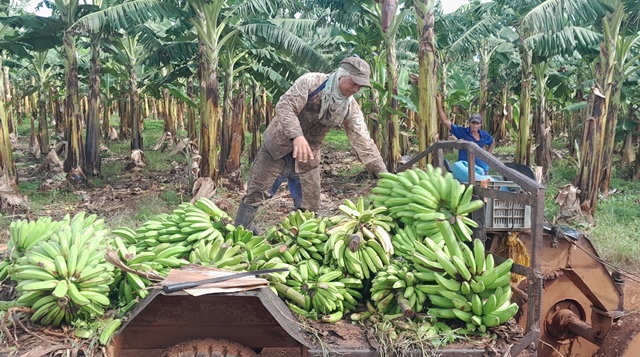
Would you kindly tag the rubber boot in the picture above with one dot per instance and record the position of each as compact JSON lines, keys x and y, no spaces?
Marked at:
{"x":246,"y":213}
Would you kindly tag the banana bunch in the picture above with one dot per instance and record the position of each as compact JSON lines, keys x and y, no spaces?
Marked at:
{"x":303,"y":234}
{"x":187,"y":224}
{"x":5,"y":267}
{"x":356,"y":255}
{"x":316,"y":291}
{"x":26,"y":234}
{"x":394,"y":290}
{"x":254,"y":246}
{"x":65,"y":276}
{"x":273,"y":263}
{"x":362,"y":217}
{"x":418,"y":198}
{"x":210,"y":208}
{"x":23,"y":235}
{"x":468,"y":286}
{"x":359,"y":241}
{"x":407,"y":243}
{"x":129,"y":287}
{"x":220,"y":254}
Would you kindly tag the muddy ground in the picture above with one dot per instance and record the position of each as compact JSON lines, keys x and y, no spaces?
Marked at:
{"x":122,"y":196}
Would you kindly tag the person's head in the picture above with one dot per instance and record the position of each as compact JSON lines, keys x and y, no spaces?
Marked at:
{"x":475,"y":122}
{"x":359,"y":72}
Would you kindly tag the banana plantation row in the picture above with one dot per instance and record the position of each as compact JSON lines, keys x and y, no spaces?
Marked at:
{"x":535,"y":70}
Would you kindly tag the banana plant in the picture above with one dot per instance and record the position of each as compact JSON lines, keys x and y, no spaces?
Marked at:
{"x":612,"y":65}
{"x":546,"y":28}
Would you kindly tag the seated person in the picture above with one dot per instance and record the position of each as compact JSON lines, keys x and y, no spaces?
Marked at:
{"x":471,"y":133}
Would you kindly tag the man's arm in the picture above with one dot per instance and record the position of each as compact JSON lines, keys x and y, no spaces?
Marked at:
{"x":441,"y":114}
{"x":287,"y":109}
{"x":490,"y":149}
{"x":358,"y":135}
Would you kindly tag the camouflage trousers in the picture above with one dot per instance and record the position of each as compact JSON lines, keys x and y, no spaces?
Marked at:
{"x":267,"y":174}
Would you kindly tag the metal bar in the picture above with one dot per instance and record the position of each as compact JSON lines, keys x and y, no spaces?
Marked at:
{"x":534,"y":312}
{"x":527,"y":200}
{"x":171,"y":288}
{"x":527,"y":340}
{"x":516,"y":268}
{"x":465,"y":352}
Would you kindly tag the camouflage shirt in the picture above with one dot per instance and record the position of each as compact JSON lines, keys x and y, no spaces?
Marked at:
{"x":295,"y":115}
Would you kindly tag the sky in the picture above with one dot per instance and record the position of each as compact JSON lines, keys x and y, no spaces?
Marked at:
{"x":447,"y":5}
{"x":31,"y":7}
{"x":451,"y":5}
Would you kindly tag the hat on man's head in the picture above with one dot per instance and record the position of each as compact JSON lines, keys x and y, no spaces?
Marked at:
{"x":475,"y":118}
{"x":358,"y":69}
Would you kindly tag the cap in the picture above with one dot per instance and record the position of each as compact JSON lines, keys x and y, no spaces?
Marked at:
{"x":358,"y":69}
{"x":475,"y":118}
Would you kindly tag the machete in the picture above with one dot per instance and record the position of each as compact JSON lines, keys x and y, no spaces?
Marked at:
{"x":188,"y":285}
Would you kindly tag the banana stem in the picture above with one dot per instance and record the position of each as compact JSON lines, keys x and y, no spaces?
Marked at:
{"x":354,"y":243}
{"x":404,"y":305}
{"x":290,"y":293}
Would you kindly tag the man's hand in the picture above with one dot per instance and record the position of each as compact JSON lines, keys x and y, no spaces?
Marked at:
{"x":301,"y":149}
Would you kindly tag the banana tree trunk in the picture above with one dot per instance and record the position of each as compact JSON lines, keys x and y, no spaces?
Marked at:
{"x":74,"y":161}
{"x":483,"y":69}
{"x":256,"y":119}
{"x":179,"y":117}
{"x":123,"y":110}
{"x":43,"y":132}
{"x":629,"y":139}
{"x":154,"y":108}
{"x":180,"y":110}
{"x":10,"y":195}
{"x":57,"y":112}
{"x":7,"y":97}
{"x":134,"y":105}
{"x":524,"y":143}
{"x":191,"y":111}
{"x":227,"y":119}
{"x":106,"y":116}
{"x":92,"y":146}
{"x":443,"y":131}
{"x":427,"y":119}
{"x":592,"y":150}
{"x":574,"y":119}
{"x":209,"y":116}
{"x":34,"y":145}
{"x":237,"y":133}
{"x":610,"y":139}
{"x":169,"y":120}
{"x":500,"y":117}
{"x":393,"y":126}
{"x":145,"y":114}
{"x":373,"y":124}
{"x":206,"y":23}
{"x":541,"y":121}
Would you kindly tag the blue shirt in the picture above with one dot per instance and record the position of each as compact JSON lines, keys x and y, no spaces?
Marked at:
{"x":464,"y":133}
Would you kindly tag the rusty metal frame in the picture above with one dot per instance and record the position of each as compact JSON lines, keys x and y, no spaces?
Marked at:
{"x":534,"y":196}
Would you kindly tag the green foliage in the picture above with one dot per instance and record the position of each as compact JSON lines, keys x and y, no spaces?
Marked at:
{"x":617,"y":230}
{"x":39,"y":200}
{"x":617,"y":233}
{"x":337,"y":140}
{"x":171,"y":197}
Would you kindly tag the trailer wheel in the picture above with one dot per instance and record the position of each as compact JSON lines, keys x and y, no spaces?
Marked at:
{"x":210,"y":347}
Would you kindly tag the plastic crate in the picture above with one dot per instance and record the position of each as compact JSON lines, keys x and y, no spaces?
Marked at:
{"x":505,"y":214}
